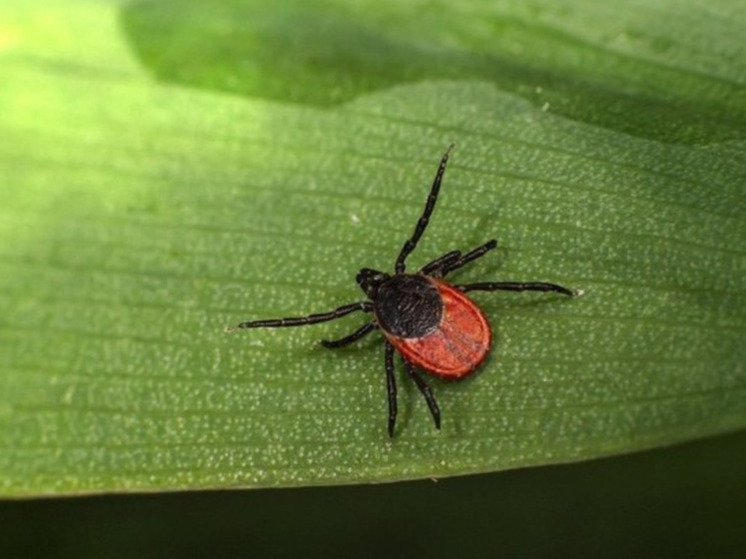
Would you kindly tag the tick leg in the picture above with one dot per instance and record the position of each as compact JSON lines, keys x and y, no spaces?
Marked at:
{"x":355,"y":336}
{"x":440,"y":263}
{"x":453,"y":260}
{"x":364,"y":306}
{"x":391,"y":387}
{"x":513,"y":286}
{"x":426,"y":392}
{"x":419,"y":229}
{"x":469,"y":257}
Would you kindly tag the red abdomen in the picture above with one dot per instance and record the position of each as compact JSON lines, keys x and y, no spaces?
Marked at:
{"x":460,"y":343}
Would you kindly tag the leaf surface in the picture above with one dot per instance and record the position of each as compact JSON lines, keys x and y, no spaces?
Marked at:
{"x":143,"y":212}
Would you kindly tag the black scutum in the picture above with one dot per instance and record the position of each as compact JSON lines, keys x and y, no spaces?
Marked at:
{"x":408,"y":306}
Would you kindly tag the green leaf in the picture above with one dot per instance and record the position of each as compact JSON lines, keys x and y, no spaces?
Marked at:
{"x":148,"y":201}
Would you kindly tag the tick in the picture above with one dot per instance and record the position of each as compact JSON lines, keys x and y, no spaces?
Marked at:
{"x":433,"y":325}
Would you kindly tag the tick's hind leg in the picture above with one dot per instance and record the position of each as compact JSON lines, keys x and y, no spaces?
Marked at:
{"x":391,"y":387}
{"x":516,"y":286}
{"x":424,"y":388}
{"x":355,"y":336}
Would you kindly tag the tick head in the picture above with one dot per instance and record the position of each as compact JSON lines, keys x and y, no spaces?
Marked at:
{"x":370,"y":280}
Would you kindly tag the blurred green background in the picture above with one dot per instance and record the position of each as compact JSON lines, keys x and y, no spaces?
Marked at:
{"x":680,"y":502}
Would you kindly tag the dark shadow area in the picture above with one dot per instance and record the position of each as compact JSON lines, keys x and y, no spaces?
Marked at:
{"x":322,"y":53}
{"x":685,"y":501}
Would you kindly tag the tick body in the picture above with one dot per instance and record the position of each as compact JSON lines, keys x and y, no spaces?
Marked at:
{"x":432,"y":324}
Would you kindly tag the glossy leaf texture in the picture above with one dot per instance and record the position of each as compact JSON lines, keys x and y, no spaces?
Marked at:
{"x":148,"y":201}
